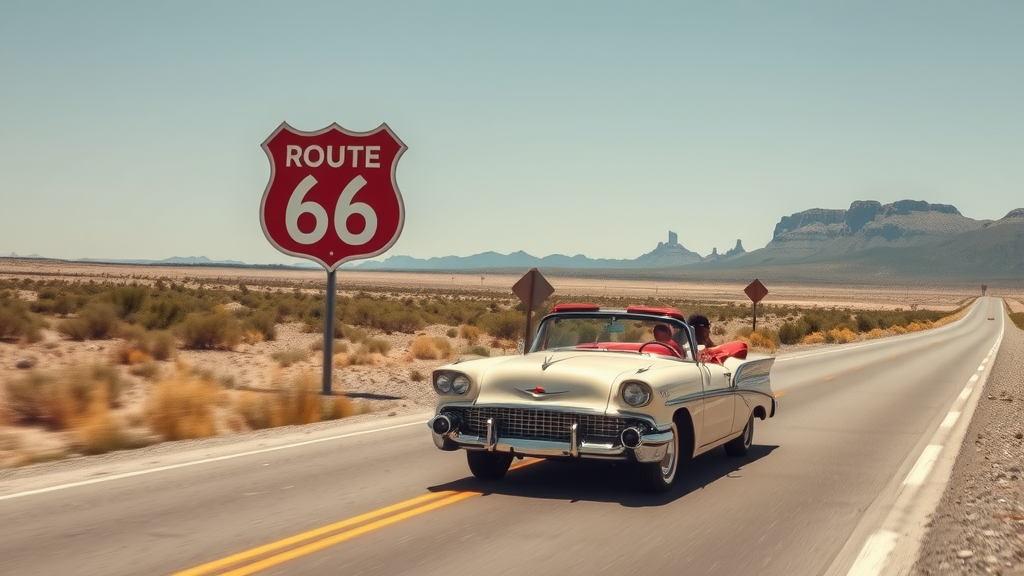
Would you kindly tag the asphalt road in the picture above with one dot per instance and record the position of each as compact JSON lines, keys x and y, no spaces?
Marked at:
{"x":353,"y":499}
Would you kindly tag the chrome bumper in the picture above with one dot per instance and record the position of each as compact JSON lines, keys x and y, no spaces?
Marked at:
{"x":651,"y":449}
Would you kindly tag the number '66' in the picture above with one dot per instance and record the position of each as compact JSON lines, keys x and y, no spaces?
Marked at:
{"x":344,"y":208}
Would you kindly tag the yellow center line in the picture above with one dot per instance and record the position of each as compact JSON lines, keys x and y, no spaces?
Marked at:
{"x":274,"y":546}
{"x":433,"y":501}
{"x":828,"y":378}
{"x":780,"y":394}
{"x":339,"y":538}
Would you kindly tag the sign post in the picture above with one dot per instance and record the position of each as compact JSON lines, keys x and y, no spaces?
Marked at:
{"x":532,"y":289}
{"x":756,"y":292}
{"x":332,"y":198}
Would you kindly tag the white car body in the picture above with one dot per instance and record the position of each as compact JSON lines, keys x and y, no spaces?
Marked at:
{"x":573,"y":401}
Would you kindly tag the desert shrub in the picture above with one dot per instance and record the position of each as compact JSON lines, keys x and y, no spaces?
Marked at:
{"x":128,"y":300}
{"x":477,"y":350}
{"x":96,"y":321}
{"x":298,"y":402}
{"x":354,"y":334}
{"x":405,"y":321}
{"x":141,"y":345}
{"x":452,"y":332}
{"x":164,"y":314}
{"x":866,"y":323}
{"x":147,"y":370}
{"x":217,"y":331}
{"x":790,"y":333}
{"x":17,"y":322}
{"x":98,"y":432}
{"x":505,"y":324}
{"x":59,"y":400}
{"x":378,"y":346}
{"x":182,"y":406}
{"x":762,"y":340}
{"x":286,"y":358}
{"x":337,"y":348}
{"x":813,"y":338}
{"x":470,"y":333}
{"x":431,"y":348}
{"x":875,"y":333}
{"x":335,"y":407}
{"x":263,"y":322}
{"x":360,"y":356}
{"x":840,"y":336}
{"x":1018,"y":319}
{"x":416,"y":376}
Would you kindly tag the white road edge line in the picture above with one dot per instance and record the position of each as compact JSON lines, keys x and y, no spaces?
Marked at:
{"x":203,"y":461}
{"x":872,"y":556}
{"x":873,"y":559}
{"x":924,"y":464}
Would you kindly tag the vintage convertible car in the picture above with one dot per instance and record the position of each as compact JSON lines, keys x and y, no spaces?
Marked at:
{"x":596,"y":384}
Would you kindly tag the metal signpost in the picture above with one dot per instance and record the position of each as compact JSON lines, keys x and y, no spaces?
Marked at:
{"x":332,"y":197}
{"x":756,"y":292}
{"x":532,"y":289}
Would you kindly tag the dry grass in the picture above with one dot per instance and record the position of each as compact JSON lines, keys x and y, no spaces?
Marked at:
{"x":60,"y":400}
{"x":762,"y":342}
{"x":299,"y":402}
{"x":417,"y":376}
{"x":840,"y":336}
{"x":361,"y":356}
{"x":813,"y":338}
{"x":431,"y":348}
{"x":183,"y":406}
{"x":99,"y":431}
{"x":470,"y":333}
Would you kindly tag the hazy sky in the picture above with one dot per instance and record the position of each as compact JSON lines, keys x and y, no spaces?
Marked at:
{"x":133,"y":129}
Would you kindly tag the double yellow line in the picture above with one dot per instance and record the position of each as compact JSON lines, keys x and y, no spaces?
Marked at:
{"x":269,"y":555}
{"x":325,"y":536}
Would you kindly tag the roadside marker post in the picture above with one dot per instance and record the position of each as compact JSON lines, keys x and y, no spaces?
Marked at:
{"x":332,"y":198}
{"x":756,"y":292}
{"x":532,"y":289}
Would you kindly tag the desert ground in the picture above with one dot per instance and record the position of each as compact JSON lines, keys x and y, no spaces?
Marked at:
{"x":976,"y":530}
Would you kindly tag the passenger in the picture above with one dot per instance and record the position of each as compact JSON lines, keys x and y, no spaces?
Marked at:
{"x":663,"y":333}
{"x":702,"y":328}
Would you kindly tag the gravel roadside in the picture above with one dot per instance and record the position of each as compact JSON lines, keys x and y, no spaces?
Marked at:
{"x":978,"y":527}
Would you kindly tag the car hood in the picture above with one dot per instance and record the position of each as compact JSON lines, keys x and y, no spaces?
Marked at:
{"x":584,"y":380}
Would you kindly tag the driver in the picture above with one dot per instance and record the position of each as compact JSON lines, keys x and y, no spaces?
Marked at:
{"x":663,"y":334}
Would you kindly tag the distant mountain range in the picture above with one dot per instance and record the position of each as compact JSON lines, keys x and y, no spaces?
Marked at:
{"x":867,"y":241}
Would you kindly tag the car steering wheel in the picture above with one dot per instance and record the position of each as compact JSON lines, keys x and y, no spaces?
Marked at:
{"x":671,"y":350}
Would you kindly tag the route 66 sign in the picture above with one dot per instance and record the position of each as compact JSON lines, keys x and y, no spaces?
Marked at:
{"x":332,"y":195}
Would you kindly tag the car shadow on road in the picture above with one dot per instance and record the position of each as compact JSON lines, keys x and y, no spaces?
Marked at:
{"x":613,"y":482}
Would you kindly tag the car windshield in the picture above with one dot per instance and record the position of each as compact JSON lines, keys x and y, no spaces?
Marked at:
{"x":620,"y":333}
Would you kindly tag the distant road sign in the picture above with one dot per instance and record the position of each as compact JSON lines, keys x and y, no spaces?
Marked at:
{"x":332,"y":195}
{"x":533,"y":289}
{"x":756,"y":291}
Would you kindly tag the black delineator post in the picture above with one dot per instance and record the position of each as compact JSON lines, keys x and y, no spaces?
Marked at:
{"x":329,"y":334}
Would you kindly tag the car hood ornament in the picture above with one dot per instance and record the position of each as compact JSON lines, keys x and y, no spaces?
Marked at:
{"x":539,"y":392}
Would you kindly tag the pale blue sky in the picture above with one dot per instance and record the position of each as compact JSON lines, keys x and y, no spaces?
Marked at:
{"x":133,"y":129}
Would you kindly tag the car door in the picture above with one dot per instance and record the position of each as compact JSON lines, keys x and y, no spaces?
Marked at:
{"x":719,"y":403}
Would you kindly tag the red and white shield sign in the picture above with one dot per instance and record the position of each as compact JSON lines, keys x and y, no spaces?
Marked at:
{"x":332,"y":195}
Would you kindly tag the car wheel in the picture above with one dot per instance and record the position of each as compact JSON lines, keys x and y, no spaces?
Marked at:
{"x":659,"y":476}
{"x":488,"y":465}
{"x":740,"y":445}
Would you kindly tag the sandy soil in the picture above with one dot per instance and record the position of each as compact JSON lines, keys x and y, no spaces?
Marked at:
{"x":863,"y":296}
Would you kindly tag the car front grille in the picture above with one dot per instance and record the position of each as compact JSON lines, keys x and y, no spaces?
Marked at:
{"x":531,"y":424}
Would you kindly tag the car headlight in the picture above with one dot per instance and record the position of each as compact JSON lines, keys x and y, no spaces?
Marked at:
{"x":461,"y":384}
{"x":636,"y":394}
{"x":443,"y":383}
